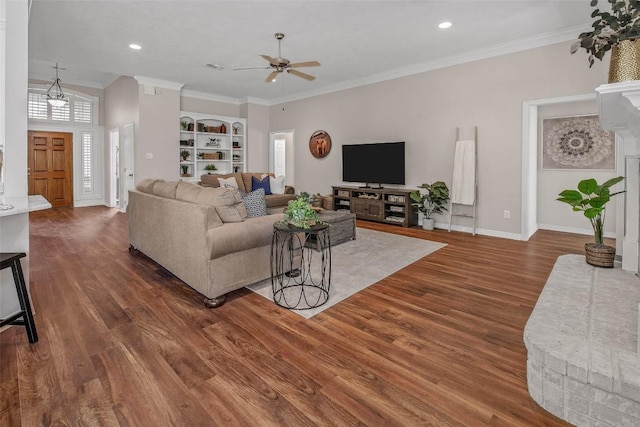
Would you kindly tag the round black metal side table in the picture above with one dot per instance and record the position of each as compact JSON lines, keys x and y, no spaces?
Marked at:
{"x":300,"y":274}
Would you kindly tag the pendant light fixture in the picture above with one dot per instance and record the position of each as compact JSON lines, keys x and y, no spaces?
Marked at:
{"x":54,"y":95}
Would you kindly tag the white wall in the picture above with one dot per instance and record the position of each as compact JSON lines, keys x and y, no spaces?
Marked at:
{"x":257,"y":136}
{"x":553,"y":215}
{"x":158,"y":135}
{"x":205,"y":106}
{"x":425,"y":109}
{"x":14,"y":229}
{"x":121,"y":107}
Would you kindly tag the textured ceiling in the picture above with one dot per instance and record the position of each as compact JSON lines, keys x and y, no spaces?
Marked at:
{"x":355,"y":41}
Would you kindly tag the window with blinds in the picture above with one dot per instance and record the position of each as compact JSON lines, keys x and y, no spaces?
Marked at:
{"x":87,"y":162}
{"x":82,"y":111}
{"x":79,"y":109}
{"x":37,"y":106}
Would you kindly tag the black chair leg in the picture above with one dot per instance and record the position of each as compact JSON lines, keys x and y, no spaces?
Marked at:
{"x":13,"y":260}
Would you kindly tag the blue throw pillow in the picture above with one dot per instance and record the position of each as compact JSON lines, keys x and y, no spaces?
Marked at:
{"x":254,"y":202}
{"x":263,"y":183}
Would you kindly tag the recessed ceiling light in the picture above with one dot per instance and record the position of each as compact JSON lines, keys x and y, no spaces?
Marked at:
{"x":445,"y":24}
{"x":135,"y":46}
{"x":215,"y":66}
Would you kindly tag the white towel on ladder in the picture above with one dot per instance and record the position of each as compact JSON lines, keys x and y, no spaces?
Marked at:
{"x":463,"y":187}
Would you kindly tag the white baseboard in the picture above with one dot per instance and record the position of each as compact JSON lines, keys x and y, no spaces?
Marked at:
{"x":585,"y":231}
{"x":482,"y":231}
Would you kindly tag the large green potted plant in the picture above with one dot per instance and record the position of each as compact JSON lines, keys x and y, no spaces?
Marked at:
{"x":616,"y":29}
{"x":591,"y":199}
{"x":431,"y":201}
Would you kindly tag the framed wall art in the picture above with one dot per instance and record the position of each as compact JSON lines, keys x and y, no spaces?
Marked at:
{"x":577,"y":142}
{"x":320,"y":144}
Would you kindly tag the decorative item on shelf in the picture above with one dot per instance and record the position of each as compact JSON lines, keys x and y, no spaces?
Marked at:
{"x":190,"y":127}
{"x":236,"y":157}
{"x":372,"y":196}
{"x":210,"y":167}
{"x":184,"y":142}
{"x":236,"y":168}
{"x":185,"y":171}
{"x":300,"y":214}
{"x":191,"y":142}
{"x":618,"y":30}
{"x":591,"y":199}
{"x":185,"y":154}
{"x":236,"y":144}
{"x":220,"y":155}
{"x":201,"y":127}
{"x":210,"y":156}
{"x":214,"y":142}
{"x":184,"y":124}
{"x":432,"y":201}
{"x":223,"y":128}
{"x":236,"y":129}
{"x":320,"y":144}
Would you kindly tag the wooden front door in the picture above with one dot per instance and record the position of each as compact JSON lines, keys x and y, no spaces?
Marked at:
{"x":51,"y":167}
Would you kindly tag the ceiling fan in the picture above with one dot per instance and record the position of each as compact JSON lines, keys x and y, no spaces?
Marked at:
{"x":280,"y":64}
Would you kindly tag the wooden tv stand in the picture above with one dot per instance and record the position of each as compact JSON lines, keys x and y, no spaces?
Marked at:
{"x":388,"y":205}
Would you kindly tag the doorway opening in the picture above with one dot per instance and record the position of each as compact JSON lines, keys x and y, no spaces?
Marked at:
{"x":281,"y":155}
{"x":114,"y":170}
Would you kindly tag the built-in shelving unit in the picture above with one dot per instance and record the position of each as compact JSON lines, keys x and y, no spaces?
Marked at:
{"x":207,"y":139}
{"x":390,"y":205}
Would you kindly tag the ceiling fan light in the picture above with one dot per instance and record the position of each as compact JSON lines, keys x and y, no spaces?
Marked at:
{"x":445,"y":24}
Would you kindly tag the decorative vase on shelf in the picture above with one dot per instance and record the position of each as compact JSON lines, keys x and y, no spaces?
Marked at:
{"x":223,"y":128}
{"x":625,"y":61}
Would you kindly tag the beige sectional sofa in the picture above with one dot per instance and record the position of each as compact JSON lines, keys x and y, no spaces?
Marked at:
{"x":201,"y":235}
{"x":275,"y":202}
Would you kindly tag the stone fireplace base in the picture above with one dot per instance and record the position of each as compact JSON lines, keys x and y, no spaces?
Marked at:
{"x":582,"y":345}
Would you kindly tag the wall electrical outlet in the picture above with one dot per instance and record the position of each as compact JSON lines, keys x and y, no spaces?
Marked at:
{"x":507,"y":214}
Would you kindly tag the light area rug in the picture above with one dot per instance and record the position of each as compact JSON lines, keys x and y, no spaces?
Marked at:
{"x":359,"y":263}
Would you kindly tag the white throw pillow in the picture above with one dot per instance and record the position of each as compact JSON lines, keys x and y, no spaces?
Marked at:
{"x":277,"y":184}
{"x":228,"y":182}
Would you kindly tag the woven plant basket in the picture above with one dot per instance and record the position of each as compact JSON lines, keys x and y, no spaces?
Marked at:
{"x":600,"y":255}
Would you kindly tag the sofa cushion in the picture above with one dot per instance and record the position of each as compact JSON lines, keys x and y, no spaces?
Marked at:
{"x":146,"y":185}
{"x":277,"y":185}
{"x":165,"y":189}
{"x":211,"y":180}
{"x":261,"y":183}
{"x":233,"y":213}
{"x":188,"y":192}
{"x":246,"y":179}
{"x":232,"y":238}
{"x":279,"y":200}
{"x":228,"y":182}
{"x":255,"y":203}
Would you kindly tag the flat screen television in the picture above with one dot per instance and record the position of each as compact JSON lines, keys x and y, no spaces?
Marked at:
{"x":378,"y":163}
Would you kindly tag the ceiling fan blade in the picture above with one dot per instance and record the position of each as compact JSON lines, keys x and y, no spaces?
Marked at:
{"x":301,"y":74}
{"x":270,"y":59}
{"x":272,"y":77}
{"x":305,"y":64}
{"x":253,"y":68}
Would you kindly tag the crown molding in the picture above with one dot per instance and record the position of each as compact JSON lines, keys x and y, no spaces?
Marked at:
{"x":165,"y":84}
{"x":75,"y":82}
{"x":210,"y":97}
{"x":255,"y":101}
{"x":540,"y":40}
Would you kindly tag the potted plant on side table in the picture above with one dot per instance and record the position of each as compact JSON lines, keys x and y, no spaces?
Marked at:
{"x":591,"y":199}
{"x":300,"y":214}
{"x":432,"y":201}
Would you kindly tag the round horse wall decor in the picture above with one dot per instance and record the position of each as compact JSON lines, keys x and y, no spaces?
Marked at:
{"x":320,"y":144}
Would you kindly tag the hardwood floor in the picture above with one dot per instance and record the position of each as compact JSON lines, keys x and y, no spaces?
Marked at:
{"x":122,"y":342}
